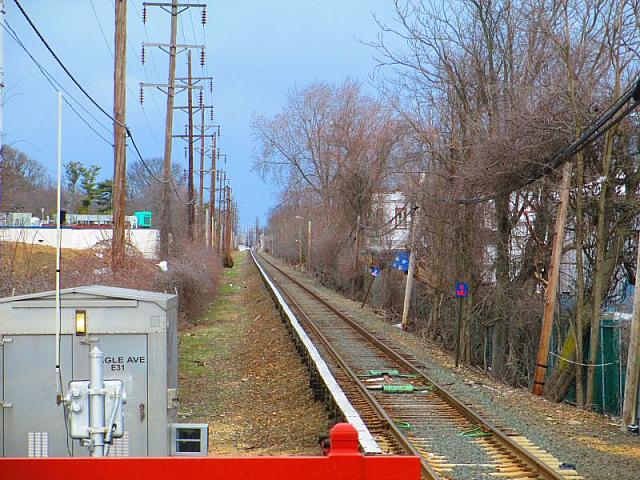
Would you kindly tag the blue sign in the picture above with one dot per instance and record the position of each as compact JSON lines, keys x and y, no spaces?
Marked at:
{"x":401,"y":262}
{"x":375,"y":271}
{"x":462,"y":289}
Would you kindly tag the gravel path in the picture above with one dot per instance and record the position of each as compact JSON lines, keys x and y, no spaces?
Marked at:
{"x":590,"y":441}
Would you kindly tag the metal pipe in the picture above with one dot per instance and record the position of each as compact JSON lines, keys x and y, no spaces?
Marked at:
{"x":58,"y":249}
{"x":96,"y":402}
{"x":112,"y":417}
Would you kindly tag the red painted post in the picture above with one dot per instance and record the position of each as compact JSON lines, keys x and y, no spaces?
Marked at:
{"x":344,"y":462}
{"x":344,"y":440}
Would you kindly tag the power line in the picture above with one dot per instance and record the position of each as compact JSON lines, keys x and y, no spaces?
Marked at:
{"x":129,"y":88}
{"x":54,"y":83}
{"x":44,"y":71}
{"x":63,"y":66}
{"x":95,"y":103}
{"x":104,"y":37}
{"x":597,"y":129}
{"x":146,"y":75}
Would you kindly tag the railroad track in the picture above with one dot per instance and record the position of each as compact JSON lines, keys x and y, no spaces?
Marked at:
{"x":406,"y":411}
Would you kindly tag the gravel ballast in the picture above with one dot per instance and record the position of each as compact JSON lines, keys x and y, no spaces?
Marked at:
{"x":592,"y":442}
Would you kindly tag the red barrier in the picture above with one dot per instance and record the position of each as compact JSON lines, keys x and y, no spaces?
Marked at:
{"x":344,"y":462}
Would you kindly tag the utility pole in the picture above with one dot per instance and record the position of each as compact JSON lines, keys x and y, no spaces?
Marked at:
{"x":191,"y":139}
{"x":2,"y":15}
{"x":191,"y":206}
{"x":174,"y":8}
{"x":309,"y":247}
{"x":356,"y":245}
{"x":552,"y":284}
{"x":212,"y":195}
{"x":300,"y":247}
{"x":257,"y":239}
{"x":219,"y":224}
{"x":227,"y":228}
{"x":415,"y":219}
{"x":165,"y":197}
{"x":202,"y":220}
{"x":630,"y":406}
{"x":119,"y":134}
{"x":408,"y":289}
{"x":221,"y":206}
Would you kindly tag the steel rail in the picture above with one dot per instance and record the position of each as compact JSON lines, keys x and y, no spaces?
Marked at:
{"x":387,"y":421}
{"x":536,"y":464}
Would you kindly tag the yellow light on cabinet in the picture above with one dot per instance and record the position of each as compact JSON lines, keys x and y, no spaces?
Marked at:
{"x":81,"y":322}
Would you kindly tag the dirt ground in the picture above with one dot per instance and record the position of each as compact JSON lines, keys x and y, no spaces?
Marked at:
{"x":240,"y":373}
{"x":592,"y":442}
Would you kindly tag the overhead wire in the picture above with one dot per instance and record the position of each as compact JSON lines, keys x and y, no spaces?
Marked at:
{"x":63,"y":66}
{"x":16,"y":38}
{"x":104,"y":37}
{"x":53,"y":82}
{"x":597,"y":129}
{"x":129,"y":88}
{"x":95,"y":103}
{"x":144,"y":68}
{"x":131,"y":91}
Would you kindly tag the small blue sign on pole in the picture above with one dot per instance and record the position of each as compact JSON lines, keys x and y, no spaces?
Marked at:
{"x":401,"y":262}
{"x":462,"y":289}
{"x":375,"y":270}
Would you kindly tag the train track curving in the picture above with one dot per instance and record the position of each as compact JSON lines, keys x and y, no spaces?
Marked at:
{"x":405,"y":410}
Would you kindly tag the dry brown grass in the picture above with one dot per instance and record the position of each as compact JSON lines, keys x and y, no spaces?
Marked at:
{"x":193,"y":272}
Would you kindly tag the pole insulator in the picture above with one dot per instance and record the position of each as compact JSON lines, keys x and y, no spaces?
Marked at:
{"x":141,"y":94}
{"x":144,"y":15}
{"x":201,"y":98}
{"x":142,"y":55}
{"x":204,"y":16}
{"x":202,"y":57}
{"x":211,"y":114}
{"x":211,"y":85}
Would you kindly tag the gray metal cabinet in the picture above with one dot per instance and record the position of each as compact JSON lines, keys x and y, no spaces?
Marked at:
{"x":136,"y":330}
{"x":34,"y":426}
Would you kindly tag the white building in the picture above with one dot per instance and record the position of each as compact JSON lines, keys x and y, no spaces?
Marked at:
{"x":388,"y":227}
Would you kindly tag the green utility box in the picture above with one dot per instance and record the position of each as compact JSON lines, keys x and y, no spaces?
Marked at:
{"x":144,"y":219}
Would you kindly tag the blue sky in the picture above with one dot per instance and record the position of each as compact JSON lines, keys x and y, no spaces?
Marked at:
{"x":257,"y":50}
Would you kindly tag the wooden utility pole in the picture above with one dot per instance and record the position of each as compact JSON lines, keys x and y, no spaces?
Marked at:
{"x":309,"y":247}
{"x":212,"y":196}
{"x":412,"y":262}
{"x":171,"y":48}
{"x":165,"y":198}
{"x":552,"y":284}
{"x":221,"y":198}
{"x":119,"y":135}
{"x":221,"y":205}
{"x":630,"y":406}
{"x":227,"y":227}
{"x":201,"y":220}
{"x":300,"y":247}
{"x":190,"y":187}
{"x":408,"y":289}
